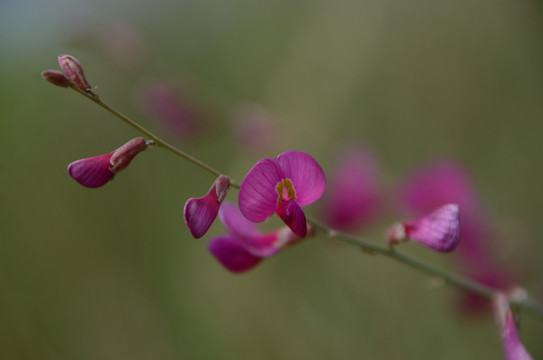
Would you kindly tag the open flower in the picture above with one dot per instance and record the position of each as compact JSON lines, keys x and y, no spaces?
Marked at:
{"x":439,"y":230}
{"x":97,"y":171}
{"x":282,"y":185}
{"x":199,"y":213}
{"x":512,"y":346}
{"x":245,"y":246}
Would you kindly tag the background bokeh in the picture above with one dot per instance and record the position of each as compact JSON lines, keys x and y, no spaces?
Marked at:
{"x":113,"y":273}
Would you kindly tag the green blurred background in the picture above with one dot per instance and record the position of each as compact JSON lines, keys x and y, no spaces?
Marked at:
{"x":113,"y":273}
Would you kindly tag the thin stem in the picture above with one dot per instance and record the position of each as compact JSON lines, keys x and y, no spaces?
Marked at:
{"x":449,"y":278}
{"x":158,"y":141}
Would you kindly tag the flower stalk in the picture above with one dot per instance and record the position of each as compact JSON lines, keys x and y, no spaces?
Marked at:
{"x":320,"y":229}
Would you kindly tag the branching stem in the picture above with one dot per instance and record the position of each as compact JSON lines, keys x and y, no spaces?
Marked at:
{"x":449,"y":278}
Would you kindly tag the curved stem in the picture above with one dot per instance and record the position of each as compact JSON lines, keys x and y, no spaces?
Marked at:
{"x":158,"y":141}
{"x":449,"y":278}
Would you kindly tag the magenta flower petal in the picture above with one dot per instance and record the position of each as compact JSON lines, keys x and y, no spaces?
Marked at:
{"x":247,"y":233}
{"x":199,"y":213}
{"x":232,"y":255}
{"x":258,"y":195}
{"x":353,"y":196}
{"x":439,"y":230}
{"x":293,"y":215}
{"x":305,"y":173}
{"x":513,"y":348}
{"x":92,"y":172}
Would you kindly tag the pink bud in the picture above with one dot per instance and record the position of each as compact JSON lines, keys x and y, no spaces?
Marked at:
{"x":56,"y":77}
{"x":513,"y":348}
{"x":199,"y":213}
{"x":439,"y":230}
{"x":122,"y":157}
{"x":73,"y":70}
{"x":97,"y":171}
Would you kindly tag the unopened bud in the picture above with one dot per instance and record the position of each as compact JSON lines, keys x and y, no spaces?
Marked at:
{"x":122,"y":157}
{"x":73,"y":70}
{"x":439,"y":230}
{"x":97,"y":171}
{"x":199,"y":213}
{"x":56,"y":77}
{"x":222,"y":184}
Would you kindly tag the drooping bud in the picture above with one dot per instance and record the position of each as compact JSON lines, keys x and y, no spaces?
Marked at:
{"x":97,"y":171}
{"x":73,"y":70}
{"x":512,"y":346}
{"x":56,"y":77}
{"x":122,"y":157}
{"x":439,"y":230}
{"x":199,"y":213}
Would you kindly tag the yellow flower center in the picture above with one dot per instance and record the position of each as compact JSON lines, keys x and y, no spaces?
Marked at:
{"x":286,"y":191}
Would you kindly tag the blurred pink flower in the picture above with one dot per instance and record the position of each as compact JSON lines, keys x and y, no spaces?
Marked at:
{"x":439,"y":230}
{"x":512,"y":346}
{"x":447,"y":182}
{"x":353,"y":197}
{"x":254,"y":129}
{"x":164,"y":103}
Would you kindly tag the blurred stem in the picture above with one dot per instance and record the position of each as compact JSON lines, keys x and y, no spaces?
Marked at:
{"x":158,"y":141}
{"x":449,"y":278}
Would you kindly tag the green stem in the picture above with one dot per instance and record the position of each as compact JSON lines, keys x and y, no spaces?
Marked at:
{"x":158,"y":141}
{"x":452,"y":279}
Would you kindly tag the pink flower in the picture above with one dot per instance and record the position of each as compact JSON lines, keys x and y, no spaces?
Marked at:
{"x":245,"y":246}
{"x":164,"y":102}
{"x":513,"y":348}
{"x":282,"y":185}
{"x":199,"y":213}
{"x":74,"y":72}
{"x":447,"y":182}
{"x":439,"y":230}
{"x":353,"y":196}
{"x":96,"y":171}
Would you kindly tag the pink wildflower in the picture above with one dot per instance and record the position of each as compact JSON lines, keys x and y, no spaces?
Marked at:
{"x":512,"y":346}
{"x":199,"y":213}
{"x":282,"y":185}
{"x":439,"y":230}
{"x":245,"y":246}
{"x":447,"y":182}
{"x":97,"y":171}
{"x":353,"y":196}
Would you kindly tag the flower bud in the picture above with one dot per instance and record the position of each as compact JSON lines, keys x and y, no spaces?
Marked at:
{"x":97,"y":171}
{"x":73,"y":70}
{"x":56,"y":77}
{"x":512,"y":346}
{"x":439,"y":230}
{"x":199,"y":213}
{"x":122,"y":157}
